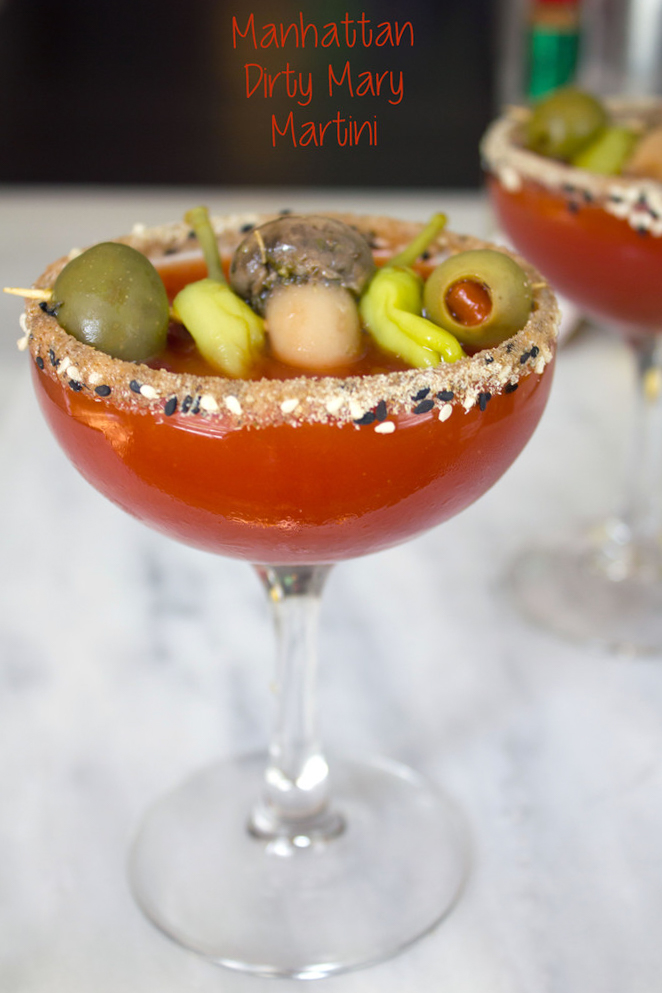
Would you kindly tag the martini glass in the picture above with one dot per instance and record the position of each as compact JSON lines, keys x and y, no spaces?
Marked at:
{"x":284,"y":864}
{"x":598,"y":239}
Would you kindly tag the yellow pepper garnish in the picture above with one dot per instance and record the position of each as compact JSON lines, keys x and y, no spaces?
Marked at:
{"x":391,"y":308}
{"x":228,"y":333}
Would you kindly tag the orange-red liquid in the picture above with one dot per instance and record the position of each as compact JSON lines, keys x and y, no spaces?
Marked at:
{"x":287,"y":494}
{"x":598,"y":261}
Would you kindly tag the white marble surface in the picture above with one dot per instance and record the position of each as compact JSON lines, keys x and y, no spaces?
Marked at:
{"x":127,"y":662}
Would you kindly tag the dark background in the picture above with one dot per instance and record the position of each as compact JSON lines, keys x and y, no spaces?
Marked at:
{"x":114,"y":91}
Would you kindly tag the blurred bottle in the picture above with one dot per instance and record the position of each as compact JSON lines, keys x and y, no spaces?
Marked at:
{"x":539,"y":47}
{"x":552,"y":50}
{"x":622,"y":47}
{"x":605,"y":46}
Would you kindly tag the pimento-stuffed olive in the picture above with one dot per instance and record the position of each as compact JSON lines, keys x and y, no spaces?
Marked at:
{"x":481,"y":296}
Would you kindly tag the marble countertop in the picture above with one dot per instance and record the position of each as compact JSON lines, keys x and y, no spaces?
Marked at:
{"x":128,"y":661}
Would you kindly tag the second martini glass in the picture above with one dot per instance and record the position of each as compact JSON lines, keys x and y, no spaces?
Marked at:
{"x":599,"y":241}
{"x":289,"y":866}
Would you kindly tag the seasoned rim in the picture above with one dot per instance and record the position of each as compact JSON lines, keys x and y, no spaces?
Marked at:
{"x":638,"y":201}
{"x":326,"y":399}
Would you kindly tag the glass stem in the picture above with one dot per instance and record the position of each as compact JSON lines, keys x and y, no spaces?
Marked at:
{"x":295,"y":799}
{"x":633,"y":545}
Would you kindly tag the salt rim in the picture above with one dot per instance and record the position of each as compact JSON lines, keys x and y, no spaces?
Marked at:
{"x":327,"y":399}
{"x":635,"y":200}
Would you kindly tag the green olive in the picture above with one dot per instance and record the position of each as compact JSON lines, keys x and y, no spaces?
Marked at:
{"x":481,"y":296}
{"x":564,"y":123}
{"x":112,"y":297}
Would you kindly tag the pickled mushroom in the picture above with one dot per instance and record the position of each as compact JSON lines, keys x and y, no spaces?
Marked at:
{"x":298,"y":249}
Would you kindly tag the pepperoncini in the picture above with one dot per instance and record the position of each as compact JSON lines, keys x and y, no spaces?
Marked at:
{"x":228,"y":333}
{"x":392,"y":305}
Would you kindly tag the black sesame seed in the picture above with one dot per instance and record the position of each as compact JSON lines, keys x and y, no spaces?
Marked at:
{"x":509,"y":346}
{"x":367,"y":418}
{"x":510,"y":387}
{"x":535,"y":351}
{"x":381,"y":411}
{"x":191,"y":234}
{"x":568,"y":188}
{"x":445,"y":395}
{"x":103,"y":391}
{"x":51,"y":355}
{"x":588,"y":197}
{"x":489,"y":359}
{"x":186,"y":404}
{"x":40,"y":362}
{"x":75,"y":385}
{"x":171,"y":250}
{"x":483,"y":400}
{"x":642,"y":232}
{"x":424,"y":407}
{"x":421,"y":395}
{"x":195,"y":409}
{"x":572,"y":206}
{"x":285,"y":210}
{"x":524,"y":357}
{"x":425,"y":255}
{"x":171,"y":406}
{"x":51,"y":311}
{"x":135,"y":386}
{"x":245,"y":228}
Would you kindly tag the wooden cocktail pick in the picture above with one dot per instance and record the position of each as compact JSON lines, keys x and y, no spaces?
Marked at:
{"x":29,"y":294}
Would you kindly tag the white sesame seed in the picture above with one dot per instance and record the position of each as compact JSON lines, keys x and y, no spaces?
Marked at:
{"x":73,"y":372}
{"x":334,"y":404}
{"x":148,"y":392}
{"x":208,"y":403}
{"x":654,"y":200}
{"x":95,"y":378}
{"x":618,"y":208}
{"x":233,"y":405}
{"x":287,"y":406}
{"x":356,"y":410}
{"x":445,"y":411}
{"x":74,"y":253}
{"x":386,"y":427}
{"x":510,"y":179}
{"x":22,"y":343}
{"x":23,"y":323}
{"x":138,"y":228}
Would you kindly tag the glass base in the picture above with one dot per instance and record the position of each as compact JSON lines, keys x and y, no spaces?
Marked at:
{"x":298,"y":907}
{"x":605,"y":595}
